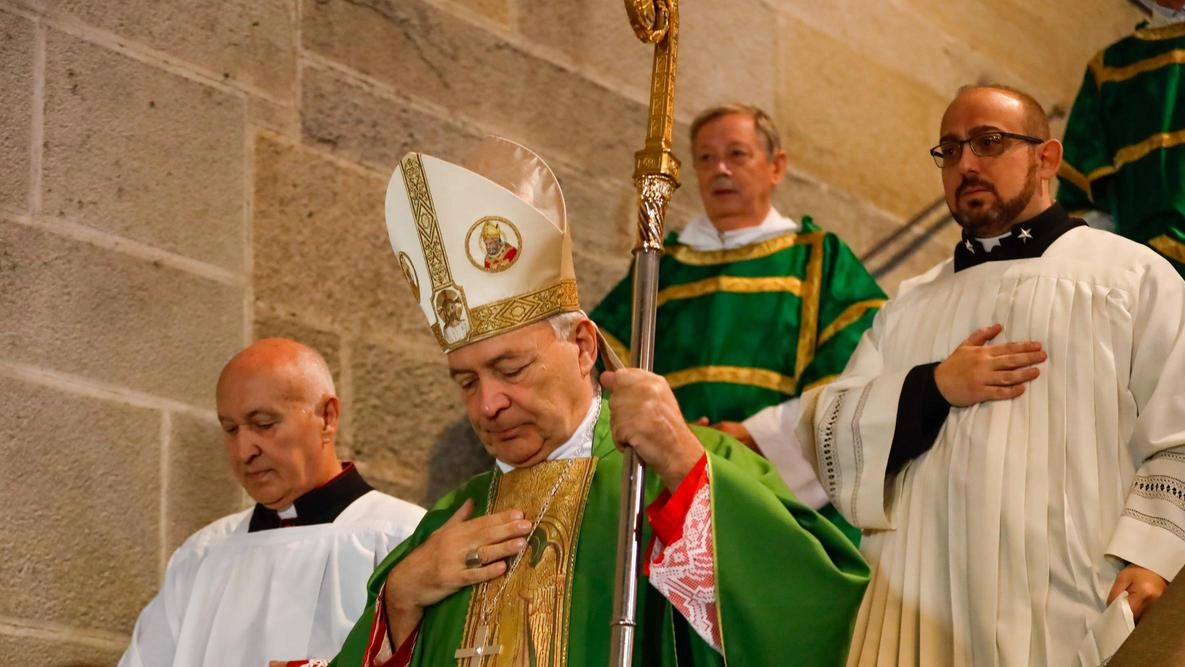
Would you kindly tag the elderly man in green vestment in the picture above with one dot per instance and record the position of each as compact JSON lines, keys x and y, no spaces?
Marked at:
{"x":754,"y":307}
{"x":1124,"y":165}
{"x":515,"y":567}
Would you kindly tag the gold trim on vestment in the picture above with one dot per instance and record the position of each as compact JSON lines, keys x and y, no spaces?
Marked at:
{"x":521,"y":309}
{"x":452,"y":326}
{"x":688,"y":255}
{"x":1163,"y":32}
{"x":1096,"y":67}
{"x":1169,"y":247}
{"x":1104,"y":74}
{"x":809,"y":326}
{"x":1083,"y":181}
{"x":754,"y":377}
{"x":1099,"y":172}
{"x":1138,"y":150}
{"x":427,"y":225}
{"x":808,"y":288}
{"x":848,"y":317}
{"x":738,"y":284}
{"x":1123,"y":156}
{"x":533,"y":609}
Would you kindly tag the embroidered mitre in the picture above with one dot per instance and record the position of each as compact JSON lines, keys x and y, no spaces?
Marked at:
{"x":485,"y":247}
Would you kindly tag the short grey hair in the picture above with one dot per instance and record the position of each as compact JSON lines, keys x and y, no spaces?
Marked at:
{"x":563,"y":323}
{"x":761,"y":120}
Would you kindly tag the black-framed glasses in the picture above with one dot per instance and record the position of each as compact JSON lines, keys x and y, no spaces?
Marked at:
{"x":988,"y":144}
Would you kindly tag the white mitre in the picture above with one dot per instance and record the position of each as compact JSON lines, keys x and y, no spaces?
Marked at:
{"x":485,"y":247}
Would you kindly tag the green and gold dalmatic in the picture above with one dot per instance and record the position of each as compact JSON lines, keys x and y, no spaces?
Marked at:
{"x":742,"y":329}
{"x":525,"y":613}
{"x":1125,"y":140}
{"x":787,"y":582}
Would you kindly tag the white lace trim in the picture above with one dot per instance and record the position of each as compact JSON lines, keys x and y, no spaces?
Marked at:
{"x":687,"y":573}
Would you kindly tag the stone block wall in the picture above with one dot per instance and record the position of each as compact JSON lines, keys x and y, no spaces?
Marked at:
{"x":179,"y":178}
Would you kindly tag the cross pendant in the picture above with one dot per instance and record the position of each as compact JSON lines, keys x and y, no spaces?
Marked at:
{"x":477,"y":653}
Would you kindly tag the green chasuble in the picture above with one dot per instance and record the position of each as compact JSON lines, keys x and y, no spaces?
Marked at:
{"x":742,"y":329}
{"x":1125,"y":140}
{"x":788,"y":583}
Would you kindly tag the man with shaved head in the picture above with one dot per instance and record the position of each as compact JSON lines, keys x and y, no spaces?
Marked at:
{"x":1010,"y":433}
{"x":285,"y":578}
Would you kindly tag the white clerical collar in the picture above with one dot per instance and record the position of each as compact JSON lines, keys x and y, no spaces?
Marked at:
{"x":700,"y":234}
{"x":1162,"y":16}
{"x":989,"y":243}
{"x":577,"y":446}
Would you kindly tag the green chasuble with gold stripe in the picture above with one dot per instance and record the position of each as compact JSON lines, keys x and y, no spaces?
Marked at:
{"x":1125,"y":140}
{"x":742,"y":329}
{"x":788,"y":583}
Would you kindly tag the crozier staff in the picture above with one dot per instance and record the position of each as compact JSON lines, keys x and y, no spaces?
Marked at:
{"x":515,"y":566}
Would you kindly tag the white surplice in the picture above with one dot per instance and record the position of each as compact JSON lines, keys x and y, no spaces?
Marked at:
{"x":231,"y":597}
{"x":999,"y":545}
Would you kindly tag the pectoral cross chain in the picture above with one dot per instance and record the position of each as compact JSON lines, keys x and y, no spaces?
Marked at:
{"x":477,"y":653}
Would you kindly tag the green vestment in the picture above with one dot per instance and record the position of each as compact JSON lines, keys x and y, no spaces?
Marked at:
{"x":742,"y":329}
{"x":1125,"y":140}
{"x":788,"y":583}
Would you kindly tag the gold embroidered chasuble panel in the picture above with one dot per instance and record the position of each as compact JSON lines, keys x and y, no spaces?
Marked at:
{"x":525,"y":614}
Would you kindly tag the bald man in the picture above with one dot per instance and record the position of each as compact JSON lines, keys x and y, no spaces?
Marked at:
{"x":286,"y":578}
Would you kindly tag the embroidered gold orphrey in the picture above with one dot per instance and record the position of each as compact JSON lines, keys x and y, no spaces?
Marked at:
{"x":532,"y":306}
{"x":428,"y":229}
{"x":530,"y":622}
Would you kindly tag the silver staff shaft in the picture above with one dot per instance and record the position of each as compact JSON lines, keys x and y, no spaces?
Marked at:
{"x":633,"y":472}
{"x":656,"y":176}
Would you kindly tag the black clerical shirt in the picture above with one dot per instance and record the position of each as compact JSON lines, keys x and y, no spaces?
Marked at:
{"x":321,"y":505}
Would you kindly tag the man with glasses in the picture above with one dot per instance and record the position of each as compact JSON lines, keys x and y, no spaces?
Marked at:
{"x":1010,"y":433}
{"x":1124,"y":167}
{"x":754,"y":307}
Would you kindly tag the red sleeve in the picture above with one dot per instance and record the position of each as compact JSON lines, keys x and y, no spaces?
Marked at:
{"x":402,"y":657}
{"x":684,"y":571}
{"x":378,"y":651}
{"x":668,"y":512}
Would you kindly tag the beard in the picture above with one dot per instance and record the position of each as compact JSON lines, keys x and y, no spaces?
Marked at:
{"x":993,"y":218}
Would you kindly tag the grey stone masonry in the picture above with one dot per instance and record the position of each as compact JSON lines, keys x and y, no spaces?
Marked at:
{"x":179,"y":177}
